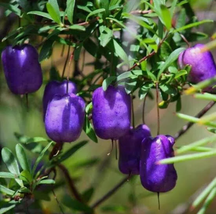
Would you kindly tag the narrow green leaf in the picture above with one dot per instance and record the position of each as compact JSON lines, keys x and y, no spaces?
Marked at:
{"x":200,"y":86}
{"x":11,"y":8}
{"x":204,"y":194}
{"x":72,"y":150}
{"x":102,"y":10}
{"x":22,"y":157}
{"x":87,"y":194}
{"x":195,"y":120}
{"x":206,"y":96}
{"x":192,"y":146}
{"x":53,"y":10}
{"x":7,"y":175}
{"x":202,"y":149}
{"x":39,"y":13}
{"x":46,"y":50}
{"x":173,"y":56}
{"x":25,"y":139}
{"x":7,"y":191}
{"x":208,"y":201}
{"x":26,"y":176}
{"x":107,"y":82}
{"x":119,"y":51}
{"x":173,"y":7}
{"x":192,"y":25}
{"x":76,"y":205}
{"x":166,"y":16}
{"x":41,"y":156}
{"x":6,"y":207}
{"x":46,"y":181}
{"x":88,"y":129}
{"x":70,"y":10}
{"x":11,"y":163}
{"x":188,"y":157}
{"x":77,"y":27}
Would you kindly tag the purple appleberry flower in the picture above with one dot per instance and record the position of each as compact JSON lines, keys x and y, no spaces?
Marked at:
{"x":154,"y":177}
{"x":57,"y":88}
{"x":111,"y":112}
{"x":130,"y":149}
{"x":202,"y":64}
{"x":65,"y":117}
{"x":21,"y":68}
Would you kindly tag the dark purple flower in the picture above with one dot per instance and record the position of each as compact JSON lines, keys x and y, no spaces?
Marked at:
{"x":202,"y":64}
{"x":111,"y":112}
{"x":65,"y":117}
{"x":57,"y":88}
{"x":154,"y":177}
{"x":130,"y":149}
{"x":22,"y":70}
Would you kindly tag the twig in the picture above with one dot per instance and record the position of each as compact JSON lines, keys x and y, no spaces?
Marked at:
{"x":200,"y":114}
{"x":158,"y":111}
{"x":70,"y":182}
{"x":110,"y":193}
{"x":150,"y":55}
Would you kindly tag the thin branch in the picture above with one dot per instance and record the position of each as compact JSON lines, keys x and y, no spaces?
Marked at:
{"x":73,"y":189}
{"x":188,"y":125}
{"x":150,"y":55}
{"x":110,"y":193}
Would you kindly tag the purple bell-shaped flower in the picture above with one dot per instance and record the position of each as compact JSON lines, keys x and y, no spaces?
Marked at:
{"x":21,"y":68}
{"x":130,"y":149}
{"x":154,"y":177}
{"x":202,"y":64}
{"x":65,"y":117}
{"x":111,"y":114}
{"x":57,"y":88}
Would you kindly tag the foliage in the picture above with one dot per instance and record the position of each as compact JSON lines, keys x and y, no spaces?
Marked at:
{"x":133,"y":43}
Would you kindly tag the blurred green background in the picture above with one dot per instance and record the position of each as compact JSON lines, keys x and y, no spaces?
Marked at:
{"x":103,"y":174}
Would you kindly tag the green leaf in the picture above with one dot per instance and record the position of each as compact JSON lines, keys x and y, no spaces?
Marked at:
{"x":173,"y":56}
{"x":192,"y":25}
{"x":200,"y":86}
{"x":102,"y":10}
{"x":70,"y":10}
{"x":46,"y":181}
{"x":39,"y":13}
{"x":87,"y":194}
{"x":77,"y":27}
{"x":76,"y":205}
{"x":196,"y":120}
{"x":23,"y":160}
{"x":6,"y":207}
{"x":86,"y":162}
{"x":204,"y":194}
{"x":41,"y":156}
{"x":120,"y":52}
{"x":7,"y":191}
{"x":53,"y":10}
{"x":11,"y":8}
{"x":7,"y":175}
{"x":191,"y":146}
{"x":208,"y":201}
{"x":46,"y":50}
{"x":26,"y":176}
{"x":188,"y":157}
{"x":165,"y":17}
{"x":88,"y":129}
{"x":105,"y":35}
{"x":206,"y":96}
{"x":107,"y":82}
{"x":11,"y":163}
{"x":72,"y":150}
{"x":25,"y":139}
